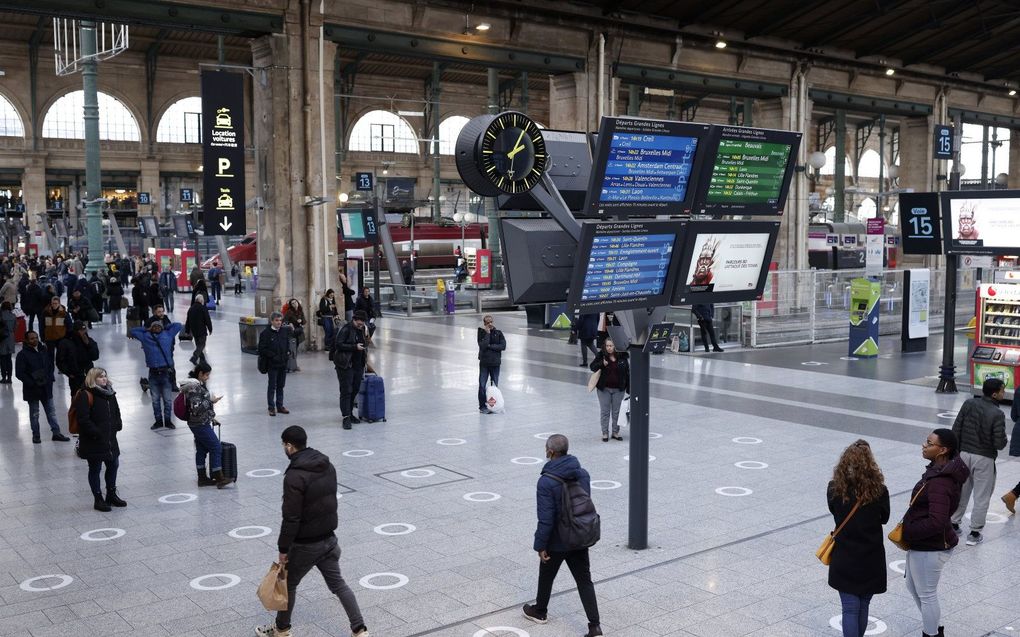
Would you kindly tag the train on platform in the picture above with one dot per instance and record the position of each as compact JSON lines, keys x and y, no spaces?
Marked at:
{"x":434,"y":245}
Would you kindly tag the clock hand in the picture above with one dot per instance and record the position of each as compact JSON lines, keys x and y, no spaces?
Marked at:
{"x":513,"y":152}
{"x":517,"y":145}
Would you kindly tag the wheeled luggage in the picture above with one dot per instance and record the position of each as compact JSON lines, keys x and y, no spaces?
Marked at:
{"x":229,"y":457}
{"x":372,"y":399}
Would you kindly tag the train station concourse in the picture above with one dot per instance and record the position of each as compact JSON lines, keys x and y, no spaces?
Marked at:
{"x":672,"y":292}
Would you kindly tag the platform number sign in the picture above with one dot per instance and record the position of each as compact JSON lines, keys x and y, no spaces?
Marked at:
{"x":363,"y":181}
{"x":943,"y":142}
{"x":920,"y":223}
{"x":144,"y":199}
{"x":187,"y":196}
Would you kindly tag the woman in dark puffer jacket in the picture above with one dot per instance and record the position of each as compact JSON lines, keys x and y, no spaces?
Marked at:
{"x":98,"y":414}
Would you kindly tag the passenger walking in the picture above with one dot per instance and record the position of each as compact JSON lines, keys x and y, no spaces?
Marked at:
{"x":294,"y":316}
{"x":927,"y":527}
{"x":199,"y":325}
{"x":613,"y":368}
{"x":215,"y":283}
{"x":491,"y":344}
{"x":76,"y":355}
{"x":587,"y":326}
{"x":859,"y":502}
{"x":561,"y":469}
{"x":235,"y":273}
{"x":201,"y":418}
{"x":56,"y":321}
{"x":705,"y":315}
{"x":157,"y":343}
{"x":33,"y":301}
{"x":33,"y":366}
{"x":327,"y":314}
{"x":115,"y":292}
{"x":349,"y":358}
{"x":273,"y":351}
{"x":99,"y":420}
{"x":140,"y":296}
{"x":168,"y":288}
{"x":308,"y":531}
{"x":981,"y":429}
{"x":8,"y":325}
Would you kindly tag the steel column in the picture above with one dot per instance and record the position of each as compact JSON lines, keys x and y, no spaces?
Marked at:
{"x":434,"y":91}
{"x":984,"y":157}
{"x":839,"y":170}
{"x":492,"y":211}
{"x":633,"y":100}
{"x":93,"y":185}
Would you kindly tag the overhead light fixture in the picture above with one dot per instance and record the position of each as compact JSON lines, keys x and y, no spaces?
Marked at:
{"x":720,"y":44}
{"x":890,"y":71}
{"x":344,"y":197}
{"x":385,"y":171}
{"x":483,"y":26}
{"x":1012,"y":92}
{"x":411,"y":113}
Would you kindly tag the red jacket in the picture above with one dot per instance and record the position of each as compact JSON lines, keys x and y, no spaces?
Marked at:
{"x":926,"y":525}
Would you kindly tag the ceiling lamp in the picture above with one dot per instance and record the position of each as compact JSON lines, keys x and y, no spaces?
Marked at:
{"x":720,"y":44}
{"x":890,"y":71}
{"x":1012,"y":92}
{"x":483,"y":26}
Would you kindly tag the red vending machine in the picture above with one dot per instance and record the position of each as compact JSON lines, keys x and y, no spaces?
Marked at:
{"x":997,"y":336}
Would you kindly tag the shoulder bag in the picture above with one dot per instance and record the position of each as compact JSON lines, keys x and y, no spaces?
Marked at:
{"x":896,"y":535}
{"x":824,"y":552}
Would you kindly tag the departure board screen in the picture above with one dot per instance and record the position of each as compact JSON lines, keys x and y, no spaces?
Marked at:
{"x":624,"y":265}
{"x":645,"y":167}
{"x":749,"y":171}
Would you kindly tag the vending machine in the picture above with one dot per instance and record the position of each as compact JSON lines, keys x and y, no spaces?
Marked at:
{"x":997,"y":337}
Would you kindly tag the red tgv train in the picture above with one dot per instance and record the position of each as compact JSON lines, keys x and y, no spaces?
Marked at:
{"x":433,"y":244}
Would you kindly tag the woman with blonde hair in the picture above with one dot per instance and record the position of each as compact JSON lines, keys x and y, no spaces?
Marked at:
{"x":858,"y":569}
{"x":98,"y":415}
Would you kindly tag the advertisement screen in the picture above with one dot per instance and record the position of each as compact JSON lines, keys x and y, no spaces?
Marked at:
{"x":725,"y":261}
{"x":352,"y":225}
{"x":981,"y":222}
{"x":645,"y":166}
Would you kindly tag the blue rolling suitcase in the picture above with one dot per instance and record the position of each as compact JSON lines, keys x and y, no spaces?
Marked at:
{"x":372,"y":399}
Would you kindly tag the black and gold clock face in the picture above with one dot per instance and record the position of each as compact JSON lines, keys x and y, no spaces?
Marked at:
{"x":512,"y":154}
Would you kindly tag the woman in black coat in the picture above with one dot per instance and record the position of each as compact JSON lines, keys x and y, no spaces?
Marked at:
{"x":199,"y":325}
{"x":99,"y":421}
{"x":614,"y":381}
{"x":858,"y":568}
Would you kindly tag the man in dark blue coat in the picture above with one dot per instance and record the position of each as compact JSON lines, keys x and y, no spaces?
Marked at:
{"x":551,"y":549}
{"x":34,"y":368}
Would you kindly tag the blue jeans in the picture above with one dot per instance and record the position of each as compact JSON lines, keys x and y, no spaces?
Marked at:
{"x":160,"y":385}
{"x":168,"y":301}
{"x":1014,"y":440}
{"x":217,"y":291}
{"x":330,"y":327}
{"x":484,"y":374}
{"x":855,"y":613}
{"x":206,"y":442}
{"x":51,"y":416}
{"x":95,"y":465}
{"x":274,"y":393}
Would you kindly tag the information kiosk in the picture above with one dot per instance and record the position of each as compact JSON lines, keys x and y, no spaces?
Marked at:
{"x":864,"y":297}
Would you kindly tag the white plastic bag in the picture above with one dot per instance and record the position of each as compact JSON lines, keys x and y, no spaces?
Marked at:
{"x":494,"y":399}
{"x":625,"y":410}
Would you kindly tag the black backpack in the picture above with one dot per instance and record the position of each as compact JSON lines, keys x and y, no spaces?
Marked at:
{"x":577,"y":523}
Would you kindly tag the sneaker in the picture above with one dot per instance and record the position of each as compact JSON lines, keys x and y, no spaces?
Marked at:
{"x":170,"y":425}
{"x":484,"y":410}
{"x":59,"y":437}
{"x":270,"y":630}
{"x":355,"y":420}
{"x":272,"y":412}
{"x":974,"y":538}
{"x":361,"y":632}
{"x":583,"y":365}
{"x":36,"y":440}
{"x":156,"y":425}
{"x":534,"y":615}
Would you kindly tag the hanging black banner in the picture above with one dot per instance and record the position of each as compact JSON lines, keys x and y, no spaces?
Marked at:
{"x":223,"y":153}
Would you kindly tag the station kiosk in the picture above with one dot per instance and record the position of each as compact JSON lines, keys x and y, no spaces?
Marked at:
{"x":864,"y":297}
{"x":997,"y":337}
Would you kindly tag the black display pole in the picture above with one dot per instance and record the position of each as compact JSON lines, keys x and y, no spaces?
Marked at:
{"x":947,"y":372}
{"x":637,"y":514}
{"x":376,"y":247}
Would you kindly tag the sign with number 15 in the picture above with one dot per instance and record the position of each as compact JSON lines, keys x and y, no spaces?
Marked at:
{"x":943,"y":142}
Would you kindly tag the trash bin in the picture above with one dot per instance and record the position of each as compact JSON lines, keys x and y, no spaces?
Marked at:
{"x":451,"y":301}
{"x":251,"y":327}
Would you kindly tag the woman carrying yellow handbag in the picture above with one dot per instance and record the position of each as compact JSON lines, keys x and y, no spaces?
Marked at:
{"x":859,"y":503}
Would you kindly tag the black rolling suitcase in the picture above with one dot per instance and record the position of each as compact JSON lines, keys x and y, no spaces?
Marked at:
{"x":229,"y":457}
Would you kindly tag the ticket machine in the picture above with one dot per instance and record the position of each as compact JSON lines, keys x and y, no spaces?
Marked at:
{"x":864,"y":297}
{"x":997,"y":337}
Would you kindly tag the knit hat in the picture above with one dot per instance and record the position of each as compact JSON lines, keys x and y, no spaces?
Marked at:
{"x":360,"y":315}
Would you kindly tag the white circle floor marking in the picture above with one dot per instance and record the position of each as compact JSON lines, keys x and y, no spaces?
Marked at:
{"x":992,"y":518}
{"x":526,"y":460}
{"x":813,"y":363}
{"x":366,"y":581}
{"x":750,"y":464}
{"x":492,"y":631}
{"x":482,"y":496}
{"x":263,"y":473}
{"x":406,"y":528}
{"x":232,"y":580}
{"x":65,"y":580}
{"x":358,"y":453}
{"x":650,"y":458}
{"x":734,"y":492}
{"x":837,"y":624}
{"x":260,"y":531}
{"x":899,"y":566}
{"x":747,"y":440}
{"x":948,"y":415}
{"x":418,"y":473}
{"x":178,"y":498}
{"x":93,"y":535}
{"x":451,"y":442}
{"x":605,"y":484}
{"x":653,"y":435}
{"x":544,"y":435}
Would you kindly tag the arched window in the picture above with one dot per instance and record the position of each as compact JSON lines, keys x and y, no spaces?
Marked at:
{"x":182,"y":122}
{"x":65,"y":119}
{"x":830,"y":164}
{"x":383,"y":132}
{"x":10,"y":121}
{"x":449,"y":129}
{"x":867,"y":209}
{"x":870,"y":162}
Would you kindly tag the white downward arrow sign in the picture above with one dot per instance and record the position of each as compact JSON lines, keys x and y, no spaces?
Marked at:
{"x":225,"y":224}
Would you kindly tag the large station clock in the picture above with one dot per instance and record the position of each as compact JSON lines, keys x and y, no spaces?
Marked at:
{"x":501,"y":154}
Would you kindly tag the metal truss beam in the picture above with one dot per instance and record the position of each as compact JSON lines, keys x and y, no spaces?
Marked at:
{"x":987,"y":119}
{"x":452,"y":50}
{"x":683,"y":80}
{"x":864,"y":104}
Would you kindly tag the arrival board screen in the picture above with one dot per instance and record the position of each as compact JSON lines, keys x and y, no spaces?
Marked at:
{"x":981,"y":222}
{"x":645,"y":166}
{"x":750,"y":172}
{"x":725,"y":261}
{"x":624,"y":265}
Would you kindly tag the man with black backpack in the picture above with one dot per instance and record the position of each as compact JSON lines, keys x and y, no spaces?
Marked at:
{"x":567,"y":526}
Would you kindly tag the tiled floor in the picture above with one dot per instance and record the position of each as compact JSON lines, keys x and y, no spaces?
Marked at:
{"x":442,"y":497}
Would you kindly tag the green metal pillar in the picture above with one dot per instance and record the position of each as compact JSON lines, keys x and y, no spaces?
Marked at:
{"x":748,"y":111}
{"x":93,"y":181}
{"x":437,"y":77}
{"x":839,"y":170}
{"x":491,"y":210}
{"x":634,"y":100}
{"x":524,"y":92}
{"x":984,"y":157}
{"x":733,"y":119}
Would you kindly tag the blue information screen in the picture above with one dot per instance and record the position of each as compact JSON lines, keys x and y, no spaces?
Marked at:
{"x":648,"y":168}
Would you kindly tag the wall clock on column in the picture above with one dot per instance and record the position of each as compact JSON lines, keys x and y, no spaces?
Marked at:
{"x":501,"y":154}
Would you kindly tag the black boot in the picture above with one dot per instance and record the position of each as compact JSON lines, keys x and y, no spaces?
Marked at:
{"x":594,"y":630}
{"x":100,"y":504}
{"x":221,"y":480}
{"x":942,"y":631}
{"x":204,"y":480}
{"x":112,"y":499}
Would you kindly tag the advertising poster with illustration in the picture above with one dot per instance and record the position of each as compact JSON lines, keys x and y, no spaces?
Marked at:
{"x":917,"y":325}
{"x":727,"y":262}
{"x":984,"y":224}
